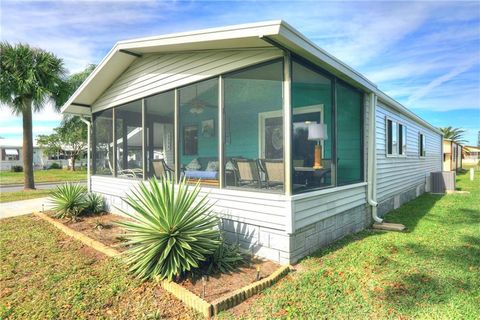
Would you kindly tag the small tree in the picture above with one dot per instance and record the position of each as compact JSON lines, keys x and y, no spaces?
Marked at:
{"x":70,"y":135}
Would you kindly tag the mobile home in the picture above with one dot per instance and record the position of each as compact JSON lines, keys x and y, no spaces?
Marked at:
{"x":295,"y":148}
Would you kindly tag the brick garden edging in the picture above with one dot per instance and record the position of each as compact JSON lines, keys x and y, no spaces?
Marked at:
{"x":223,"y":303}
{"x":207,"y":309}
{"x":106,"y":250}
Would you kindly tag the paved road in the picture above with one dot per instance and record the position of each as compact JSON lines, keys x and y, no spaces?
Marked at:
{"x":48,"y":185}
{"x":18,"y":208}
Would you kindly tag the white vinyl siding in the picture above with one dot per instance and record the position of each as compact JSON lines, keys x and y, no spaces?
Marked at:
{"x":154,"y":73}
{"x":260,"y":209}
{"x":397,"y":174}
{"x":311,"y":208}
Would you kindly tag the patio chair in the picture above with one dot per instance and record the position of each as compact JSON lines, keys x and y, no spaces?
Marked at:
{"x":274,"y":172}
{"x":247,"y":172}
{"x":160,"y":168}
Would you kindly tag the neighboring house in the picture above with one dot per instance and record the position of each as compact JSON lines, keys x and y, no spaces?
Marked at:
{"x":11,"y":155}
{"x":472,"y":155}
{"x":294,"y":148}
{"x":452,"y":155}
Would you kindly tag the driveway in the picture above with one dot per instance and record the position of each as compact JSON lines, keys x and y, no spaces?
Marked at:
{"x":46,"y":185}
{"x":18,"y":208}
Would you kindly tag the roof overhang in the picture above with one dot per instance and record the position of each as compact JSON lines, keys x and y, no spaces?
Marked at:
{"x":267,"y":34}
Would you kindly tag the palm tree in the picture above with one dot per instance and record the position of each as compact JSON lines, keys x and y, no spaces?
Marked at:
{"x":454,"y":134}
{"x":29,"y":78}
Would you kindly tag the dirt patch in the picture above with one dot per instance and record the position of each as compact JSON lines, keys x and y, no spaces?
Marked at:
{"x":221,"y":284}
{"x":102,"y":228}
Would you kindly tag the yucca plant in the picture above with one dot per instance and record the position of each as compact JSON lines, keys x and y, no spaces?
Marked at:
{"x":68,"y":200}
{"x":172,"y":230}
{"x":225,"y":259}
{"x":94,"y":203}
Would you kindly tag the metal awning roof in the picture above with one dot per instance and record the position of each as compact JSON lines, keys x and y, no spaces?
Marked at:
{"x":11,"y":152}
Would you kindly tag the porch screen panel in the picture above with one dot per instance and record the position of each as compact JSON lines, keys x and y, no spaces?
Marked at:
{"x":254,"y":128}
{"x":160,"y":146}
{"x":313,"y":130}
{"x":198,"y":132}
{"x":349,"y":134}
{"x":103,"y":143}
{"x":128,"y":135}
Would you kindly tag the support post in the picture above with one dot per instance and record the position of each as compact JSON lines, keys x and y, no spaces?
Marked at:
{"x":287,"y":122}
{"x":144,"y":139}
{"x":177,"y":134}
{"x":221,"y":135}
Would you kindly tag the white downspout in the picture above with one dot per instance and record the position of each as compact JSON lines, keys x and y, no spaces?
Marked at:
{"x":88,"y":123}
{"x":372,"y":154}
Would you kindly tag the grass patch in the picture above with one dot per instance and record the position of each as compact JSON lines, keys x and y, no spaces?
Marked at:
{"x":46,"y":275}
{"x":432,"y":271}
{"x":51,"y":175}
{"x":23,"y":195}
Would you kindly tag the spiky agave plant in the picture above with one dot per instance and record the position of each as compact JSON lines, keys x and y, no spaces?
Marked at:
{"x":172,"y":230}
{"x":68,"y":200}
{"x":94,"y":203}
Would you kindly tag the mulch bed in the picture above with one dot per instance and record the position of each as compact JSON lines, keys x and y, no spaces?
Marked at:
{"x":100,"y":227}
{"x":103,"y":229}
{"x":221,"y":284}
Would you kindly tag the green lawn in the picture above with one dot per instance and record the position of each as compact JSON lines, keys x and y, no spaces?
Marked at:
{"x":430,"y":272}
{"x":51,"y":175}
{"x":23,"y":195}
{"x":46,"y":275}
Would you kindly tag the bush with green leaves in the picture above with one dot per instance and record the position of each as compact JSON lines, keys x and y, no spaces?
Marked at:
{"x":225,"y":259}
{"x":16,"y":169}
{"x":172,"y":230}
{"x":68,"y":200}
{"x":55,"y":165}
{"x":94,"y":203}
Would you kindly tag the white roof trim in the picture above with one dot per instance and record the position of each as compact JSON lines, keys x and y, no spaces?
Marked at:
{"x":116,"y":62}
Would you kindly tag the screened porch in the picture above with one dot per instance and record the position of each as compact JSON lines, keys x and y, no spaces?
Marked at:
{"x":283,"y":126}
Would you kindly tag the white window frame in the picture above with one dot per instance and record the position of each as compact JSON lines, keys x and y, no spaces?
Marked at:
{"x":404,"y":145}
{"x":387,"y":138}
{"x":422,"y":146}
{"x":396,"y":148}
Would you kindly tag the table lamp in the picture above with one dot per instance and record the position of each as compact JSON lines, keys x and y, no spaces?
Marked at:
{"x":317,"y":132}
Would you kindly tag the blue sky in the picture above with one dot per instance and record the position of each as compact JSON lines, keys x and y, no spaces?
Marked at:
{"x":424,"y":54}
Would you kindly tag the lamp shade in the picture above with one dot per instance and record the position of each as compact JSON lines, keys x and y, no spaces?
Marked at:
{"x":317,"y":131}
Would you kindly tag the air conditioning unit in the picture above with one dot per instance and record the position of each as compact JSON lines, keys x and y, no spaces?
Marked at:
{"x":442,"y":181}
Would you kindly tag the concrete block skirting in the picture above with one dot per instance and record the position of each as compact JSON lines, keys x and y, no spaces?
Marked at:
{"x":284,"y":248}
{"x":395,"y":201}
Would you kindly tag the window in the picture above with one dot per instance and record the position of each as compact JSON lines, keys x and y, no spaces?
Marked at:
{"x":392,"y":137}
{"x":128,"y":136}
{"x":312,"y":129}
{"x":160,"y":146}
{"x":198,"y":129}
{"x":103,"y":142}
{"x":254,"y":128}
{"x":402,"y":140}
{"x":10,"y":155}
{"x":349,"y":134}
{"x":422,"y":145}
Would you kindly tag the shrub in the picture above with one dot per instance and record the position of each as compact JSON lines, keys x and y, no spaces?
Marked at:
{"x":172,"y":230}
{"x":94,"y":203}
{"x":68,"y":200}
{"x":225,"y":259}
{"x":16,"y":169}
{"x":55,"y":165}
